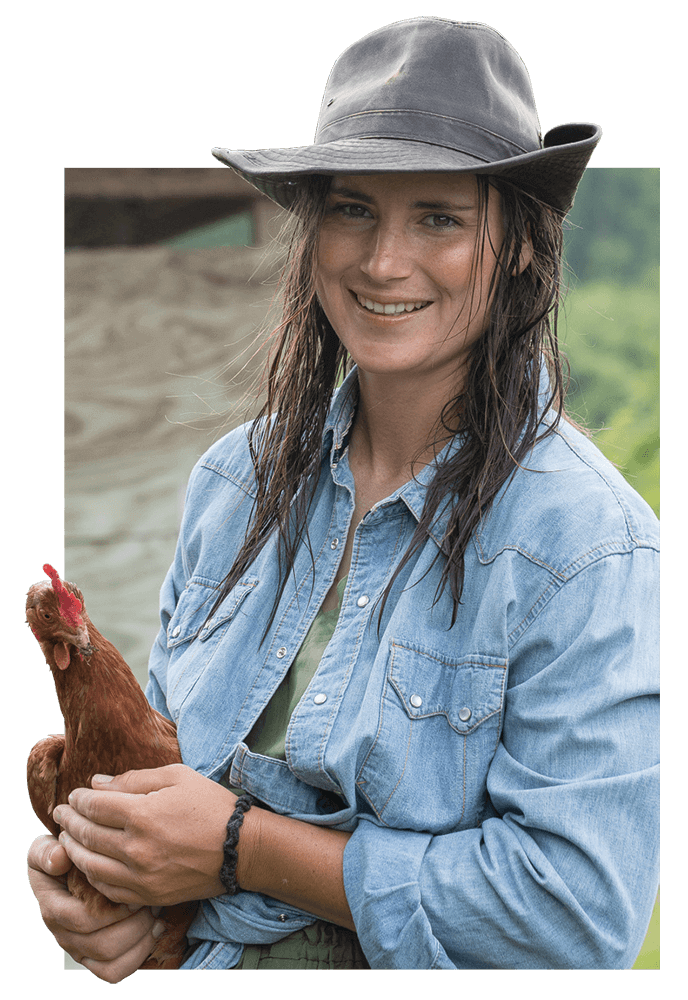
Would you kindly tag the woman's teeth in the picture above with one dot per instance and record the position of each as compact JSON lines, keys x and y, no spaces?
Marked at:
{"x":390,"y":308}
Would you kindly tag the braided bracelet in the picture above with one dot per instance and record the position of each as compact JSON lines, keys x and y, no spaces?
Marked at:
{"x":229,"y":866}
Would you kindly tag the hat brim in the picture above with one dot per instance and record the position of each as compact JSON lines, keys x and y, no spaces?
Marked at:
{"x":551,"y":173}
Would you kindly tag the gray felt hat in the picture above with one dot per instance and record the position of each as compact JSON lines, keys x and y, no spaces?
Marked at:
{"x":428,"y":94}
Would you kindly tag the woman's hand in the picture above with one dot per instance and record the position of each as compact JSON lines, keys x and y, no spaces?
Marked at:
{"x":149,"y":837}
{"x":111,"y":945}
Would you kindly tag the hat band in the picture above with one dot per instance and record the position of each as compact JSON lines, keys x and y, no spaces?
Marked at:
{"x":424,"y":126}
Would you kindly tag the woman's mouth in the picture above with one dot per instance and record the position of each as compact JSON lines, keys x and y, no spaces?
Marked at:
{"x":389,"y":308}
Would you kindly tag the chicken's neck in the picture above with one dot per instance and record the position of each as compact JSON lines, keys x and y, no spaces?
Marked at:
{"x":97,"y":693}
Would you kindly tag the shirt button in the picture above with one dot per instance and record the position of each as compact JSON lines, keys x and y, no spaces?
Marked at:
{"x":320,"y":698}
{"x":334,"y":543}
{"x":176,"y":632}
{"x":363,"y":600}
{"x":282,"y":651}
{"x":465,"y":714}
{"x":416,"y":700}
{"x":282,"y":917}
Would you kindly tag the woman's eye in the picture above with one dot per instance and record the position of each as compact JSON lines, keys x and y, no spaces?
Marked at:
{"x":353,"y":211}
{"x":440,"y":221}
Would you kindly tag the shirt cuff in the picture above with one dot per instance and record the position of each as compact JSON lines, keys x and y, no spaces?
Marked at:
{"x":382,"y":884}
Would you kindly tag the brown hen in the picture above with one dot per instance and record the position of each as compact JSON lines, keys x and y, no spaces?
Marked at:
{"x":109,"y":728}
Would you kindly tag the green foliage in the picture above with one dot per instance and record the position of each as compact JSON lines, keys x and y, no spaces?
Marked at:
{"x":611,"y":338}
{"x":612,"y":231}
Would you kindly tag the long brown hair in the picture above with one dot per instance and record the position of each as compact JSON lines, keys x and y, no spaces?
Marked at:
{"x":497,"y":412}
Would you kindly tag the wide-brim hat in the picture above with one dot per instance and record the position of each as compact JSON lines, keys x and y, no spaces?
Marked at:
{"x":428,"y":94}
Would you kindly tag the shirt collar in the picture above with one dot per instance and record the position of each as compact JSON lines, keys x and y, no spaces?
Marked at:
{"x":341,"y":415}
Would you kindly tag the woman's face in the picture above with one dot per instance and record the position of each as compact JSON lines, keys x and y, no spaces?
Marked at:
{"x":394,"y":269}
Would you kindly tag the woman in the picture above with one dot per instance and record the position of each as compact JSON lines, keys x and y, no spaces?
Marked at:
{"x":412,"y":616}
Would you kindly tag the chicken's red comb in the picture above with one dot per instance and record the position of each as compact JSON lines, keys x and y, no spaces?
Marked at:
{"x":70,"y":605}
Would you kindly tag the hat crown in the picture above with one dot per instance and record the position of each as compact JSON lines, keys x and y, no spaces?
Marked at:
{"x":429,"y":94}
{"x":460,"y":85}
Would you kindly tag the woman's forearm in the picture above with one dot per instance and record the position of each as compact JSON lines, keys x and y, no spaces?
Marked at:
{"x":295,"y":862}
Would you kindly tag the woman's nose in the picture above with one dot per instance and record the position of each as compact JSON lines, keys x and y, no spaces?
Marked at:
{"x":386,"y":256}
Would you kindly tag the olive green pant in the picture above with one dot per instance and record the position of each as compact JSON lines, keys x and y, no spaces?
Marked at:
{"x":318,"y":946}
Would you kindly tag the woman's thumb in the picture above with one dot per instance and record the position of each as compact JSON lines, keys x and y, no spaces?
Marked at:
{"x":57,"y":861}
{"x":49,"y":856}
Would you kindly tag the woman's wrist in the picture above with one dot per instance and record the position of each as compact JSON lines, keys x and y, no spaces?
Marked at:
{"x":295,"y":862}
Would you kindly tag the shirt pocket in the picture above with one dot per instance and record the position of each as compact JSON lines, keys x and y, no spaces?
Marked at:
{"x":439,"y":726}
{"x":195,"y":602}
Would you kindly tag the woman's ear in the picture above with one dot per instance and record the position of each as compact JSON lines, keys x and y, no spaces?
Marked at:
{"x":525,"y":256}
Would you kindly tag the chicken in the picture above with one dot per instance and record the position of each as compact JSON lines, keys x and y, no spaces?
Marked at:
{"x":109,"y":728}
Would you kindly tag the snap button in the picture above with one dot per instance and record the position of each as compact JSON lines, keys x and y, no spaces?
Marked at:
{"x":334,"y":543}
{"x":320,"y":698}
{"x":465,"y":714}
{"x":282,"y":651}
{"x":363,"y":600}
{"x":176,"y":632}
{"x":416,"y":700}
{"x":282,"y":917}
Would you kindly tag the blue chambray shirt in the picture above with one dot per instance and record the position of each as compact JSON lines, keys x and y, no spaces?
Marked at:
{"x":500,"y":777}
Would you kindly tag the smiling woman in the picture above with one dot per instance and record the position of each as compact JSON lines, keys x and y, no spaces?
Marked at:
{"x":442,"y":523}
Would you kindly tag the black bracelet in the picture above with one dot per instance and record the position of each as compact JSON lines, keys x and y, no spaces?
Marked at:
{"x":229,"y":866}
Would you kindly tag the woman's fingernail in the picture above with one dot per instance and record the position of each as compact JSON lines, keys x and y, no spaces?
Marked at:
{"x":158,"y":928}
{"x":102,"y":779}
{"x":57,"y":815}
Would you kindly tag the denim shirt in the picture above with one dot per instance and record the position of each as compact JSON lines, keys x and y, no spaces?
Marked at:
{"x":500,"y":776}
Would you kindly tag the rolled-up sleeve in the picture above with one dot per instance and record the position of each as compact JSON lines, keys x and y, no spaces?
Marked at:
{"x":563,"y":871}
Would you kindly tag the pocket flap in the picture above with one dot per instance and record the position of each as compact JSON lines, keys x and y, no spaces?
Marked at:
{"x":466,"y":691}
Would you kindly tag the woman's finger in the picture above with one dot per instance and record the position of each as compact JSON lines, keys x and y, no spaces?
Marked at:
{"x":107,"y":840}
{"x":110,"y":876}
{"x":49,"y":856}
{"x":115,"y":952}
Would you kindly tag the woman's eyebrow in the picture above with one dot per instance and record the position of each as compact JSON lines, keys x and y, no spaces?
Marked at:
{"x":350,"y":193}
{"x":443,"y":206}
{"x":433,"y":206}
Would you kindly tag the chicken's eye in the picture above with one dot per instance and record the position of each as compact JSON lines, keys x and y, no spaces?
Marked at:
{"x":48,"y":617}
